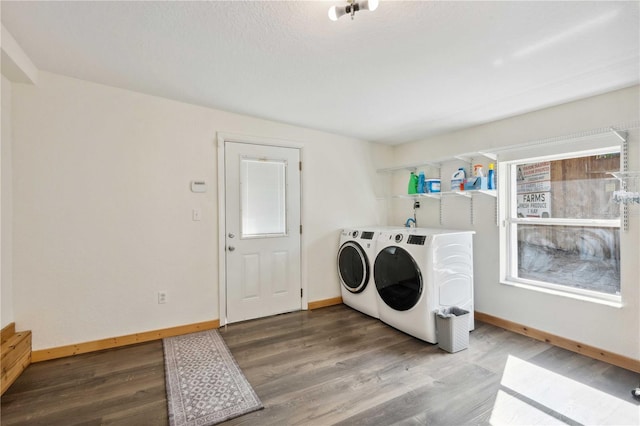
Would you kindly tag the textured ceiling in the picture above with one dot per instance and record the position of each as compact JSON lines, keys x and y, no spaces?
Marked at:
{"x":402,"y":73}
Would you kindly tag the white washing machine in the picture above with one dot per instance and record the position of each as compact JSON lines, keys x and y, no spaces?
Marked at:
{"x":356,"y":253}
{"x":420,"y":270}
{"x":355,"y":269}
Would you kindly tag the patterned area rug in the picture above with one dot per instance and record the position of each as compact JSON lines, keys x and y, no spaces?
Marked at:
{"x":205,"y":386}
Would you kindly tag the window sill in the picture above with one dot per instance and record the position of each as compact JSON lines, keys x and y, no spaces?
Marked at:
{"x":575,"y":296}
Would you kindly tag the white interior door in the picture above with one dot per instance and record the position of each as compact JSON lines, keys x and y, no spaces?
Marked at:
{"x":262,"y":230}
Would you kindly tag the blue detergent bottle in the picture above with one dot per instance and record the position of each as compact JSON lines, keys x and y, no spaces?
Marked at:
{"x":421,"y":183}
{"x":491,"y":177}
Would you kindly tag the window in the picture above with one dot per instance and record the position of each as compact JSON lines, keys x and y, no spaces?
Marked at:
{"x":263,"y":197}
{"x":562,"y":230}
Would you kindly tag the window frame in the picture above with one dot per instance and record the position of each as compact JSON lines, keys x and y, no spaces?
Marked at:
{"x":510,"y":222}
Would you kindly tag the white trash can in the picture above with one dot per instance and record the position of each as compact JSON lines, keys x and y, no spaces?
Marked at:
{"x":452,"y":328}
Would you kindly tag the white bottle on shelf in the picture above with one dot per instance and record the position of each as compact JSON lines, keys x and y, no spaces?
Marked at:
{"x":457,"y":179}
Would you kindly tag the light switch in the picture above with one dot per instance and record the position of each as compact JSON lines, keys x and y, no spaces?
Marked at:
{"x":196,"y":214}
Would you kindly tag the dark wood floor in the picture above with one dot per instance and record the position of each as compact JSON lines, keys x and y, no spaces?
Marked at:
{"x":329,"y":366}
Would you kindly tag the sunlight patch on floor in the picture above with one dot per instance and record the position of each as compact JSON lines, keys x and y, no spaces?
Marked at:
{"x":509,"y":410}
{"x":574,"y":400}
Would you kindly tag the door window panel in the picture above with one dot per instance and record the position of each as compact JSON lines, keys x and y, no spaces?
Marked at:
{"x":263,"y":194}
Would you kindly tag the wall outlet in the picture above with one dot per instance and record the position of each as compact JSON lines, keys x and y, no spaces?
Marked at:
{"x":162,"y":297}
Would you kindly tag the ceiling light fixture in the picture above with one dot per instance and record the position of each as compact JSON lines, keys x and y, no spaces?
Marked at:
{"x":351,"y":8}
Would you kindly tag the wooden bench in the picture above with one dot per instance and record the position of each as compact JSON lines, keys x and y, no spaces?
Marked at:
{"x":16,"y":354}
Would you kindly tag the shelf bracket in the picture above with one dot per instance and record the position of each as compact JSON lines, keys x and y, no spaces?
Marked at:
{"x":620,"y":134}
{"x":473,"y":222}
{"x":625,"y":168}
{"x":463,"y":157}
{"x":489,"y":155}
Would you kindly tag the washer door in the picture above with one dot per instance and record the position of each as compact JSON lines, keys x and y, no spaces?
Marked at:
{"x":353,"y":267}
{"x":398,"y":278}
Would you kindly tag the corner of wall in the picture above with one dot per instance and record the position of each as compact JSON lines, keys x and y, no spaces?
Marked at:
{"x":16,"y":65}
{"x":6,"y":212}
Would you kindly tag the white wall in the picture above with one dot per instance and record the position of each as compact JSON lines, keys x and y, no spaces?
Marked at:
{"x":6,"y":214}
{"x":612,"y":329}
{"x":102,"y":211}
{"x":102,"y":208}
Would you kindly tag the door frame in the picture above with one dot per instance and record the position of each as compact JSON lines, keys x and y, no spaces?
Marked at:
{"x":223,"y":137}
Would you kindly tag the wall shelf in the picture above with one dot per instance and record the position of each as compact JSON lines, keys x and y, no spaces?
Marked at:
{"x":628,"y":195}
{"x":409,"y":167}
{"x":472,"y":192}
{"x":438,"y":195}
{"x":629,"y":192}
{"x":468,"y":158}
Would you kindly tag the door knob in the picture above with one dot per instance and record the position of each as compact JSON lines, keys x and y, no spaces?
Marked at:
{"x":231,"y":248}
{"x":231,"y":235}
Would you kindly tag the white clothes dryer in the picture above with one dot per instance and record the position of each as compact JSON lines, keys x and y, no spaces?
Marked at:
{"x":420,"y":270}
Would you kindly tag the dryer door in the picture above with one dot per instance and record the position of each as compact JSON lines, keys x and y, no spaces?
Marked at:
{"x":353,"y":267}
{"x":398,"y":278}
